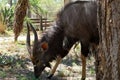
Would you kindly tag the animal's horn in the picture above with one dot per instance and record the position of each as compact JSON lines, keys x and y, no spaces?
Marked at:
{"x":28,"y":40}
{"x":35,"y":36}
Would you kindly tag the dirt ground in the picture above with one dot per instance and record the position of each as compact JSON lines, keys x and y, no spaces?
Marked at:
{"x":16,"y":65}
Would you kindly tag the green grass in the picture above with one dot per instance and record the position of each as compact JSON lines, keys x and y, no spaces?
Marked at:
{"x":3,"y":74}
{"x":92,"y":70}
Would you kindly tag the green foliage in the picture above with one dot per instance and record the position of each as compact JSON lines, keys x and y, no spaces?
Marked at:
{"x":7,"y":16}
{"x":36,"y":6}
{"x":92,"y":70}
{"x":2,"y":74}
{"x":46,"y":7}
{"x":3,"y":3}
{"x":6,"y":13}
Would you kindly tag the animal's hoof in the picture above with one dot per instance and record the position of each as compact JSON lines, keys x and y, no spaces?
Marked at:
{"x":82,"y":78}
{"x":49,"y":76}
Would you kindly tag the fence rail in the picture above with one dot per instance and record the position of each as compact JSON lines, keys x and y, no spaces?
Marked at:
{"x":41,"y":24}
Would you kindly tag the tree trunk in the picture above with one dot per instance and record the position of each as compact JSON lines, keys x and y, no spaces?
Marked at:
{"x":20,"y":13}
{"x":108,"y":57}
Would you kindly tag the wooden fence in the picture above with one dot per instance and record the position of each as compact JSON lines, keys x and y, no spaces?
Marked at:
{"x":41,"y":24}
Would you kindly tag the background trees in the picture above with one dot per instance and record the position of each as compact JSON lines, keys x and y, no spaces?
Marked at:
{"x":37,"y":8}
{"x":19,"y":14}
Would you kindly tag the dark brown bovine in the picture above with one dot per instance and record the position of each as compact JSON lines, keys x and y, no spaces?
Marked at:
{"x":77,"y":21}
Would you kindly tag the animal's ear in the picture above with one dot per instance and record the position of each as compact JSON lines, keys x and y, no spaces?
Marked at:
{"x":44,"y":45}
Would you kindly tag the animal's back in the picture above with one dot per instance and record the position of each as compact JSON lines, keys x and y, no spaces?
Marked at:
{"x":79,"y":20}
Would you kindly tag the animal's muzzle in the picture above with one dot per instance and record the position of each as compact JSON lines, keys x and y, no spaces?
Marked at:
{"x":38,"y":71}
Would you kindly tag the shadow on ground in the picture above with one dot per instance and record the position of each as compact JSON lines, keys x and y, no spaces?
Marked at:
{"x":19,"y":68}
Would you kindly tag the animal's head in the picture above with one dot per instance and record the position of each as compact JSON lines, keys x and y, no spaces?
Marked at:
{"x":37,"y":52}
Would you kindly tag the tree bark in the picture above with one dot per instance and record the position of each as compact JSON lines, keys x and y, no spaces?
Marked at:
{"x":20,"y":13}
{"x":108,"y":57}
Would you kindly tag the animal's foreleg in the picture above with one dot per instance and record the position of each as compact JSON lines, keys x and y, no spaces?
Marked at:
{"x":58,"y":60}
{"x":83,"y":58}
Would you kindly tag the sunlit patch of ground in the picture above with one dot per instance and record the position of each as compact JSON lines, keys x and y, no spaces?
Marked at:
{"x":16,"y":65}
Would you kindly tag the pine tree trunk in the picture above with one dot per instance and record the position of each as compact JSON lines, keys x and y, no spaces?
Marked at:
{"x":108,"y":57}
{"x":20,"y":13}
